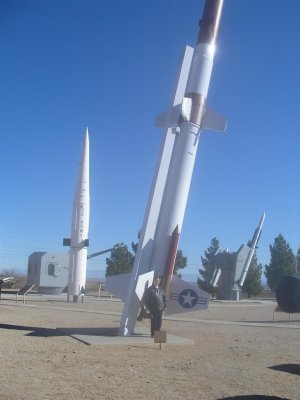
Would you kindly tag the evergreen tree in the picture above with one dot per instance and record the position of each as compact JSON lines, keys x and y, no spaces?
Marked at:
{"x":180,"y":263}
{"x":120,"y":261}
{"x":134,"y":247}
{"x":208,"y":267}
{"x":252,"y":284}
{"x":282,"y":262}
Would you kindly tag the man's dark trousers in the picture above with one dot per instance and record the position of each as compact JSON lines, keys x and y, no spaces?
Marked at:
{"x":156,"y":319}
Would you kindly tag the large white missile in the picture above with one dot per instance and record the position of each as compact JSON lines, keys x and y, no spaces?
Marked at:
{"x":80,"y":226}
{"x":164,"y":215}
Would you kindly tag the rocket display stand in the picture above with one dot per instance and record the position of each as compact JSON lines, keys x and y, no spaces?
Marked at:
{"x":24,"y":291}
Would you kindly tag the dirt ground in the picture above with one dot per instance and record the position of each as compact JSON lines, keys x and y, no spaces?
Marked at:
{"x":238,"y":353}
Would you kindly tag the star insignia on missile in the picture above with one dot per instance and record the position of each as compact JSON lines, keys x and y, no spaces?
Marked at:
{"x":188,"y":298}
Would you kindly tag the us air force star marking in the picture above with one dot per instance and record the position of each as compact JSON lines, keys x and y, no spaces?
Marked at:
{"x":188,"y":298}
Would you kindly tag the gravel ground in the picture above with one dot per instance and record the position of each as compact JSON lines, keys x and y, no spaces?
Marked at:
{"x":238,"y":353}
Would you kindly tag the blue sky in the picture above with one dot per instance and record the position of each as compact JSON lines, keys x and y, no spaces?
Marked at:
{"x":111,"y":66}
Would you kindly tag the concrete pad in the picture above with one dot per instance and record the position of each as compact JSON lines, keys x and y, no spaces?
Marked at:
{"x":109,"y":336}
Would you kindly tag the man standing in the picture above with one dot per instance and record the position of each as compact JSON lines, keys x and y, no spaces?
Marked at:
{"x":155,"y":300}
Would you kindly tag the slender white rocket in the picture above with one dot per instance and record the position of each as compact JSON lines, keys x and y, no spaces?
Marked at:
{"x":190,"y":123}
{"x":80,"y":226}
{"x":167,"y":203}
{"x":253,"y":244}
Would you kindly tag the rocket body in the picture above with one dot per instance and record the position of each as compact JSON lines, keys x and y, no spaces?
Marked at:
{"x":253,"y":245}
{"x":175,"y":195}
{"x":80,"y":226}
{"x":187,"y":134}
{"x":167,"y":203}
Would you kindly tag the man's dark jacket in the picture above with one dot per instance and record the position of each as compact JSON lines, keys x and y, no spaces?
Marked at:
{"x":155,"y":299}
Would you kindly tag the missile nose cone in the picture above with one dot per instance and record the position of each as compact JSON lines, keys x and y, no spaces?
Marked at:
{"x":86,"y":145}
{"x":86,"y":136}
{"x":262,"y":219}
{"x":83,"y":175}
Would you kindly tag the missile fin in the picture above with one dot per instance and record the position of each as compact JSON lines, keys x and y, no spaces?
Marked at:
{"x":184,"y":297}
{"x":213,"y":121}
{"x":169,"y":119}
{"x":144,"y":281}
{"x":118,"y":285}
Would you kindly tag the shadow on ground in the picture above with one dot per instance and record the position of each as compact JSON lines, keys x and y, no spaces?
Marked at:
{"x":290,"y":368}
{"x":253,"y":397}
{"x":278,"y":321}
{"x":48,"y":332}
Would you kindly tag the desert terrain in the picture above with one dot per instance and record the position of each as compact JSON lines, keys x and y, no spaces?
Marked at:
{"x":237,"y":352}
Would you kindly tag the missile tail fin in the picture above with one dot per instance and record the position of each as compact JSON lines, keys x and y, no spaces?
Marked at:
{"x":213,"y":121}
{"x":184,"y":297}
{"x":144,"y":281}
{"x":118,"y":285}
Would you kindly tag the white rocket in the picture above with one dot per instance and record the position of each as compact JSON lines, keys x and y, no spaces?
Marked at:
{"x":80,"y":226}
{"x":249,"y":251}
{"x":163,"y":219}
{"x":230,"y":269}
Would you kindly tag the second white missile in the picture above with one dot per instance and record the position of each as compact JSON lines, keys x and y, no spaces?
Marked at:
{"x":80,"y":226}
